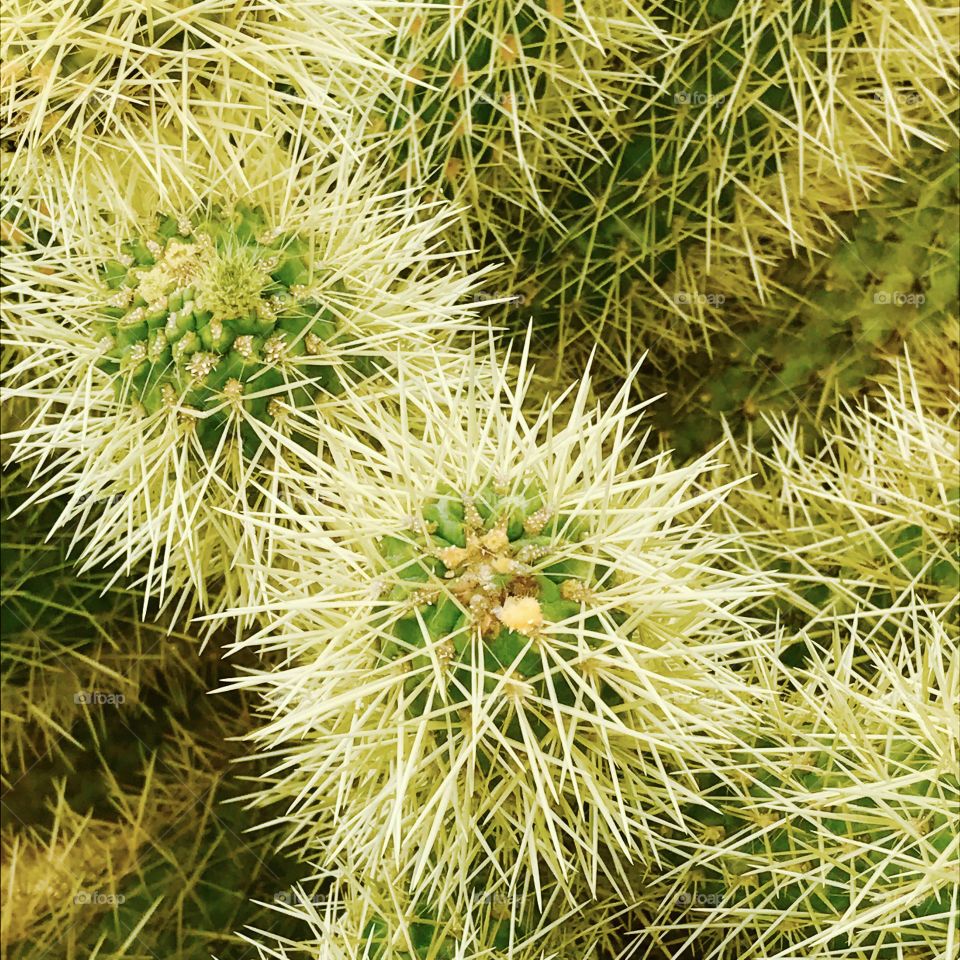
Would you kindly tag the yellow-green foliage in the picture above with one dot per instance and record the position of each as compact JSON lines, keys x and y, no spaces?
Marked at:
{"x":65,"y":637}
{"x":371,"y":917}
{"x":831,"y":331}
{"x":89,"y":84}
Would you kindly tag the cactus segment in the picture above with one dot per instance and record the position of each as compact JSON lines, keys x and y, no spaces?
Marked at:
{"x":480,"y":567}
{"x":217,"y":314}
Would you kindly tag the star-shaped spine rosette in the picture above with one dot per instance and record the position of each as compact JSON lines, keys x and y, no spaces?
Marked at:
{"x":511,"y":643}
{"x":175,"y":379}
{"x":227,"y":308}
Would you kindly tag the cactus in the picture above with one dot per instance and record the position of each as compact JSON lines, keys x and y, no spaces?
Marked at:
{"x":693,"y":110}
{"x":505,"y":626}
{"x":221,"y":340}
{"x":493,"y":551}
{"x":63,"y":637}
{"x":865,"y":527}
{"x":47,"y":875}
{"x":126,"y":841}
{"x":720,"y":175}
{"x":496,"y":99}
{"x":142,"y":82}
{"x":221,"y":309}
{"x":836,"y":835}
{"x":894,"y":280}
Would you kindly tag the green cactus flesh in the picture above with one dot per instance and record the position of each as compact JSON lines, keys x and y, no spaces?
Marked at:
{"x":45,"y":609}
{"x":211,"y":315}
{"x":868,"y":576}
{"x":206,"y":885}
{"x":481,"y":568}
{"x":479,"y":75}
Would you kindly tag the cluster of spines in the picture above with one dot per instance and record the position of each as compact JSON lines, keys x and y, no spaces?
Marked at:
{"x":835,"y":833}
{"x":481,"y":565}
{"x":687,"y":218}
{"x":512,"y":612}
{"x":205,"y":316}
{"x":124,"y":839}
{"x":892,"y":280}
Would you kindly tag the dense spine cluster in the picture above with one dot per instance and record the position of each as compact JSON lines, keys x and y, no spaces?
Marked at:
{"x":841,"y":821}
{"x":536,"y":423}
{"x":224,"y":312}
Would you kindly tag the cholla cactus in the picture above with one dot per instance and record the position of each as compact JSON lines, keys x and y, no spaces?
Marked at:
{"x":137,"y":852}
{"x":224,"y":310}
{"x":833,"y":330}
{"x":47,"y":875}
{"x":754,"y":131}
{"x":867,"y":525}
{"x":366,"y":918}
{"x":82,"y":83}
{"x":497,"y":98}
{"x":199,"y":877}
{"x":172,"y":366}
{"x":841,"y":837}
{"x":64,"y":637}
{"x":506,"y":652}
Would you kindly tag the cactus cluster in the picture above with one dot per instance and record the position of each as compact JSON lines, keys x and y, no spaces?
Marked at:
{"x":87,"y":82}
{"x":543,"y":678}
{"x":894,"y":280}
{"x":63,"y":636}
{"x":334,"y":343}
{"x":864,"y":528}
{"x":492,"y":100}
{"x":493,"y":553}
{"x":130,"y":845}
{"x":225,"y":337}
{"x":694,"y":207}
{"x":369,"y":919}
{"x":844,"y":829}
